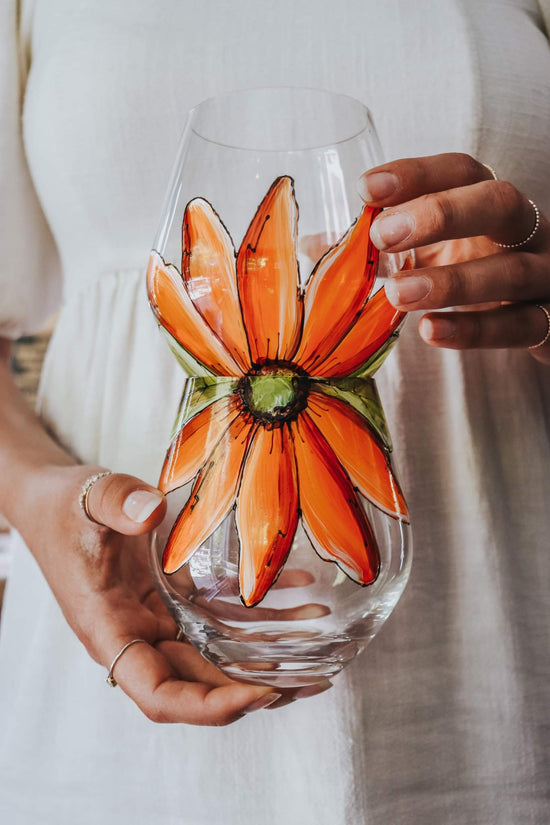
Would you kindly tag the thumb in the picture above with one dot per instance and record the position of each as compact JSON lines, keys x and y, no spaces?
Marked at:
{"x":125,"y":504}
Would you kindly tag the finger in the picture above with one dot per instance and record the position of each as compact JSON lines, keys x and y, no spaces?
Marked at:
{"x":230,"y":587}
{"x":190,"y":665}
{"x":493,"y":208}
{"x":147,"y":676}
{"x":166,"y":626}
{"x":125,"y":504}
{"x":407,"y":178}
{"x":306,"y":692}
{"x":514,"y":325}
{"x":293,"y":578}
{"x":110,"y":620}
{"x":509,"y":276}
{"x":238,"y":612}
{"x":315,"y":246}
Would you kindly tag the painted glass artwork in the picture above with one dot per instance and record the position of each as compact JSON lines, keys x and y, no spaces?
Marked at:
{"x":286,"y":541}
{"x":281,"y":421}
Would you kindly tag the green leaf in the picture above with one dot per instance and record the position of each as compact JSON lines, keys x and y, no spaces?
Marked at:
{"x":377,"y":358}
{"x":199,"y":393}
{"x":362,"y":395}
{"x":187,"y":361}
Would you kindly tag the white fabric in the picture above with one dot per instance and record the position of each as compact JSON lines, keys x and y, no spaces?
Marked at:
{"x":443,"y":719}
{"x":29,"y":259}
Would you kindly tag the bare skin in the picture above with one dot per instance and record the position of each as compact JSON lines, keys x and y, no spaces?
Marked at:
{"x":98,"y":572}
{"x":456,"y":211}
{"x":99,"y":575}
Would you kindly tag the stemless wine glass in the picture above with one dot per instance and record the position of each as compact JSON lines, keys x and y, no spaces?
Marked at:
{"x":286,"y":541}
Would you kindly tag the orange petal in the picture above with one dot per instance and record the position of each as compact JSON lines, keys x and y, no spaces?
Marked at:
{"x":267,"y":272}
{"x":333,"y":518}
{"x":359,"y":451}
{"x":212,"y":497}
{"x":378,"y":320}
{"x":267,"y":511}
{"x":192,"y":445}
{"x":208,"y":267}
{"x":176,"y":312}
{"x":337,"y":291}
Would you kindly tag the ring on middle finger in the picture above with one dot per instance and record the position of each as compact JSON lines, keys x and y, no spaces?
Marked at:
{"x":531,"y":234}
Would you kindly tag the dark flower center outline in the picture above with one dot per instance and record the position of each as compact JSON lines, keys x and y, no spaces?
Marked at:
{"x":274,"y":393}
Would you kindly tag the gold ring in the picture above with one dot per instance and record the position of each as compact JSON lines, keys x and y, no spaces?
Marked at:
{"x":491,"y":170}
{"x":110,"y":679}
{"x":531,"y":234}
{"x":547,"y":336}
{"x":86,"y":487}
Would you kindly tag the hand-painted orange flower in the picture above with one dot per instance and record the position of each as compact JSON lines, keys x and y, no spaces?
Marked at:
{"x":278,"y":442}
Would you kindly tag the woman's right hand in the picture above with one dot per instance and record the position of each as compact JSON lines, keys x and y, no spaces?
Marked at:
{"x":99,"y":575}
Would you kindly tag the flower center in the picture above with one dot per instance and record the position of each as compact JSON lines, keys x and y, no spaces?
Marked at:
{"x":274,"y":393}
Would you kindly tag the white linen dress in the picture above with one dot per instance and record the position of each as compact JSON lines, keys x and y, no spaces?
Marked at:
{"x":444,"y":719}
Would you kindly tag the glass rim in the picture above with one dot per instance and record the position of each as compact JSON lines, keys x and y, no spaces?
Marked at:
{"x":202,"y":107}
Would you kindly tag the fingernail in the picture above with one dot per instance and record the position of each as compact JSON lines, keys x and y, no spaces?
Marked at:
{"x":389,"y":230}
{"x":408,"y":290}
{"x":262,"y":702}
{"x":377,"y":186}
{"x":437,"y":329}
{"x":311,"y":690}
{"x":141,"y":504}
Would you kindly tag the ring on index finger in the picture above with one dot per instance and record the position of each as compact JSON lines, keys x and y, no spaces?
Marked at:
{"x":110,"y":679}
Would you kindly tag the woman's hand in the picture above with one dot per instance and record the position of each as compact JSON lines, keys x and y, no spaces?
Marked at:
{"x":99,"y":575}
{"x":450,"y":209}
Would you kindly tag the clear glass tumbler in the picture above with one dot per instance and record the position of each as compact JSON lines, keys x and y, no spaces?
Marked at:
{"x":286,"y":543}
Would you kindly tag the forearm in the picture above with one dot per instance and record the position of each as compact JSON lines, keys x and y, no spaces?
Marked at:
{"x":26,"y":449}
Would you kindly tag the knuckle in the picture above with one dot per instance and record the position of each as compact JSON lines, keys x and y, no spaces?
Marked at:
{"x":455,"y":290}
{"x":508,"y":199}
{"x":469,"y":167}
{"x":522,"y":276}
{"x":99,"y":495}
{"x":439,"y":210}
{"x":109,"y":489}
{"x":471,"y":332}
{"x":512,"y":275}
{"x":517,"y":275}
{"x":155,"y":713}
{"x":225,"y":719}
{"x":537,"y":274}
{"x":523,"y":326}
{"x":417,"y":172}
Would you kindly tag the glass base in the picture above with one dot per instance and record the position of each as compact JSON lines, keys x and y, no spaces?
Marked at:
{"x":298,"y":636}
{"x":296,"y":664}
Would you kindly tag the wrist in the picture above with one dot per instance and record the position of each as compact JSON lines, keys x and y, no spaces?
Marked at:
{"x":41,"y":491}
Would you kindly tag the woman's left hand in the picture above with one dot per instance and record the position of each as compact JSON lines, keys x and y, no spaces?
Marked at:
{"x":451,"y":211}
